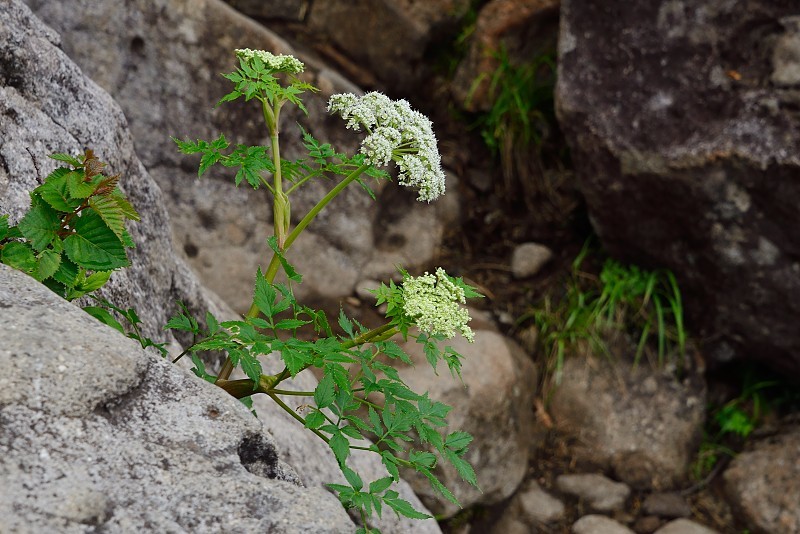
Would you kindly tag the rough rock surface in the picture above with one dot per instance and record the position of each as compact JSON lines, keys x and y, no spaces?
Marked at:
{"x":161,"y":62}
{"x":763,"y":484}
{"x":96,"y":434}
{"x":600,"y":493}
{"x":642,"y":425}
{"x":47,"y":105}
{"x":684,"y":526}
{"x":599,"y":524}
{"x":494,"y":404}
{"x":379,"y":36}
{"x":684,"y":135}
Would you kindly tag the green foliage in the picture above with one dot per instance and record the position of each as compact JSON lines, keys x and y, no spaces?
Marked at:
{"x":522,"y":104}
{"x":73,"y":236}
{"x":644,"y":305}
{"x":360,"y":394}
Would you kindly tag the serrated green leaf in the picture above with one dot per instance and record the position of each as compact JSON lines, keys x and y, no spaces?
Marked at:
{"x":110,"y":211}
{"x":325,"y":392}
{"x":458,"y":441}
{"x":104,"y":316}
{"x":251,"y":367}
{"x":179,"y":322}
{"x":93,"y":282}
{"x":295,"y":360}
{"x":54,"y":191}
{"x":390,"y":462}
{"x":20,"y":256}
{"x":353,"y":478}
{"x":352,"y":431}
{"x":315,"y":420}
{"x":78,"y":186}
{"x":3,"y":226}
{"x":93,"y":245}
{"x":341,"y":448}
{"x":66,"y":158}
{"x":345,"y":324}
{"x":47,"y":264}
{"x":211,"y":323}
{"x":124,"y":204}
{"x":422,"y":458}
{"x":463,"y":467}
{"x":289,"y":324}
{"x":291,"y":273}
{"x":67,"y":273}
{"x":402,"y":507}
{"x":40,"y":225}
{"x":375,"y":419}
{"x":380,"y":485}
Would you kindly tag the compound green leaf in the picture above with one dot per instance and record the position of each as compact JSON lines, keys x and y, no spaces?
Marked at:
{"x":315,"y":420}
{"x":19,"y":256}
{"x":325,"y":392}
{"x":341,"y":447}
{"x":93,"y":245}
{"x":402,"y":507}
{"x":251,"y":366}
{"x":40,"y":225}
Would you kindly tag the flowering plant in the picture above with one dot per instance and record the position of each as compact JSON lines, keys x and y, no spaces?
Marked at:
{"x":404,"y":425}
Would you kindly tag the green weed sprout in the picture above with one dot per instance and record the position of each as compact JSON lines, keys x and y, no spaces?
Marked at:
{"x":404,"y":425}
{"x":646,"y":305}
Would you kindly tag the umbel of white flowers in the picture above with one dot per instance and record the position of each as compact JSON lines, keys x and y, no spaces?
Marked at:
{"x":275,"y":63}
{"x":434,"y":302}
{"x":395,"y":132}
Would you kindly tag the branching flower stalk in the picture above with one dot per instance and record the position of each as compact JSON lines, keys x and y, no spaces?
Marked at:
{"x":404,"y":427}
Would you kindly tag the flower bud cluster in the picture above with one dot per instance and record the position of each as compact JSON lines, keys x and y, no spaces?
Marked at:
{"x":395,"y":132}
{"x":275,"y":63}
{"x":434,"y":303}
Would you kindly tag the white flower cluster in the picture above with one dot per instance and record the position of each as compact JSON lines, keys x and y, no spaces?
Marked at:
{"x":433,"y":301}
{"x":277,"y":63}
{"x":395,"y":132}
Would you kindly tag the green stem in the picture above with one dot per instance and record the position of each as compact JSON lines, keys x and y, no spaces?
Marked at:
{"x":290,"y":392}
{"x":294,"y":414}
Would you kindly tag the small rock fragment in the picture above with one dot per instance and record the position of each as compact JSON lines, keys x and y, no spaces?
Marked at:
{"x":599,"y":524}
{"x":528,"y":259}
{"x":601,"y":493}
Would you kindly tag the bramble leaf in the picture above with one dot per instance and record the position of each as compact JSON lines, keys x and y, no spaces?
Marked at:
{"x":54,"y":191}
{"x":78,"y":186}
{"x":66,"y":158}
{"x":110,"y":211}
{"x":93,"y":245}
{"x":67,"y":273}
{"x":47,"y":264}
{"x":104,"y":316}
{"x":20,"y":256}
{"x":40,"y":225}
{"x":94,"y":281}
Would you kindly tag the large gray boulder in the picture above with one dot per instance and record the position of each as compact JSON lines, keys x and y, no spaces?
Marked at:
{"x":162,"y":62}
{"x":48,"y":105}
{"x":98,"y":435}
{"x":682,"y":118}
{"x":763,"y":483}
{"x":642,"y":424}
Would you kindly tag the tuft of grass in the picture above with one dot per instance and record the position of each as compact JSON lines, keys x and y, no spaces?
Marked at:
{"x":645,"y":306}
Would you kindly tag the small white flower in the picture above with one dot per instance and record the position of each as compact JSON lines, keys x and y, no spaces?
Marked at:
{"x":396,"y":132}
{"x":433,"y":302}
{"x":276,"y":63}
